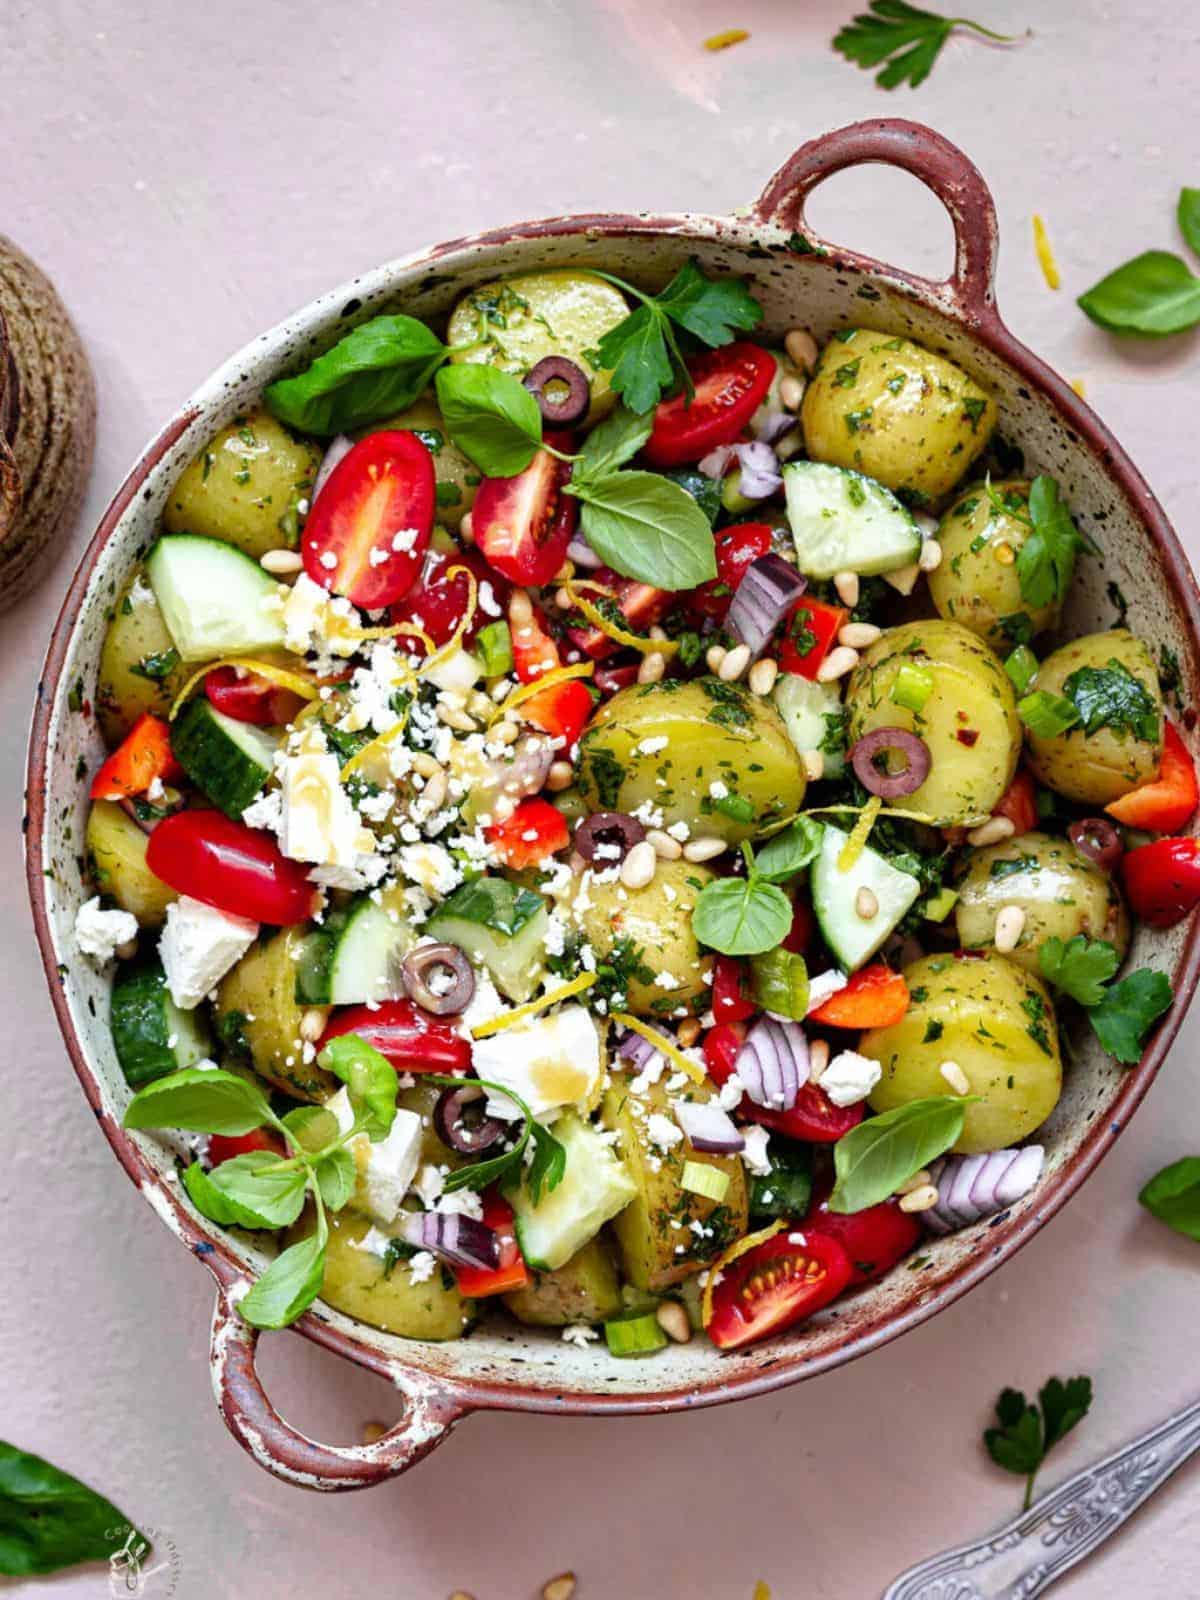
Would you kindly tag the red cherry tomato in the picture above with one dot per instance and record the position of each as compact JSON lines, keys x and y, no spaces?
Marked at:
{"x":609,"y":680}
{"x":251,"y":698}
{"x":737,"y":548}
{"x":1162,"y":880}
{"x":640,"y":604}
{"x":1019,"y":802}
{"x":730,"y":385}
{"x":523,"y":525}
{"x":731,"y":998}
{"x":874,"y":1239}
{"x":411,"y":1039}
{"x":436,"y":602}
{"x":808,"y":636}
{"x":224,"y":1146}
{"x":511,"y":1272}
{"x":813,"y":1117}
{"x":369,"y":527}
{"x":775,"y":1286}
{"x":535,"y":831}
{"x":240,"y":870}
{"x":561,"y":710}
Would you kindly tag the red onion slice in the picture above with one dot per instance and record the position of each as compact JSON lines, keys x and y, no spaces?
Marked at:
{"x":716,"y":463}
{"x":1099,"y":840}
{"x":1021,"y":1176}
{"x":773,"y":1063}
{"x":439,"y":978}
{"x":973,"y":1187}
{"x":334,"y":451}
{"x":634,"y":1049}
{"x":606,"y":837}
{"x":451,"y":1237}
{"x":769,"y":589}
{"x":708,"y":1127}
{"x":890,"y":785}
{"x":771,"y":423}
{"x":760,"y":476}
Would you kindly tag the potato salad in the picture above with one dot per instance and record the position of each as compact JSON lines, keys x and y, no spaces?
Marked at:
{"x":603,"y":820}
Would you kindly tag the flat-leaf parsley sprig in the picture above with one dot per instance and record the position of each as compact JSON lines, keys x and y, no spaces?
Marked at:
{"x":1121,"y":1013}
{"x":910,"y":37}
{"x":1027,"y":1433}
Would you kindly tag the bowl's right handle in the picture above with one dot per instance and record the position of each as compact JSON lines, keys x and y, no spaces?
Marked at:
{"x":430,"y":1413}
{"x":940,"y":165}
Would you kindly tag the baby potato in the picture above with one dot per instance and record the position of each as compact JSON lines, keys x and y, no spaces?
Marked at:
{"x":257,"y":1009}
{"x":968,"y":720}
{"x":976,"y":583}
{"x":586,"y":1289}
{"x":457,"y":478}
{"x":1093,"y":672}
{"x":708,"y":753}
{"x":117,"y":848}
{"x":649,"y":931}
{"x":897,"y":412}
{"x":996,"y":1022}
{"x":1061,"y":892}
{"x":140,"y":669}
{"x":514,"y":322}
{"x":245,"y":486}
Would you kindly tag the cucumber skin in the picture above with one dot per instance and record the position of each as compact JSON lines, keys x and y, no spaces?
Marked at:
{"x":264,"y":634}
{"x":143,"y":1018}
{"x":230,"y":778}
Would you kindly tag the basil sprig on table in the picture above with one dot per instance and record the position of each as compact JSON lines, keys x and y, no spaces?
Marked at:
{"x":1156,"y":293}
{"x":50,"y":1520}
{"x":1120,"y":1013}
{"x":751,"y":915}
{"x":1173,"y":1196}
{"x":874,"y":1159}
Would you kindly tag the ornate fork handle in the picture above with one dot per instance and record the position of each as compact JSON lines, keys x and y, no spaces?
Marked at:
{"x":1031,"y":1552}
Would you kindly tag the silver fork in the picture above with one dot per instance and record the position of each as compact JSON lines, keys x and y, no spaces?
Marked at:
{"x":1033,"y":1551}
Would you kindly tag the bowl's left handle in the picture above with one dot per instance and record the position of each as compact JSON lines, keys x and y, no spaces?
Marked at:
{"x":430,"y":1413}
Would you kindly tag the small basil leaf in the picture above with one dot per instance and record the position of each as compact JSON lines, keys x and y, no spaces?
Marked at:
{"x":614,"y":442}
{"x":491,"y":416}
{"x":648,"y":528}
{"x":741,"y":916}
{"x":257,"y":1184}
{"x":1173,"y":1196}
{"x":370,"y":1080}
{"x":380,"y":367}
{"x":203,"y":1100}
{"x":1153,"y":295}
{"x":336,"y":1175}
{"x":210,"y":1202}
{"x":872,"y":1160}
{"x":311,"y":1127}
{"x":788,"y":852}
{"x":49,"y":1520}
{"x":289,"y":1285}
{"x":1189,"y":217}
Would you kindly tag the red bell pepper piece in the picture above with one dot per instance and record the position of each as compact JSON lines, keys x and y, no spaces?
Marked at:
{"x":562,"y":710}
{"x":810,"y":633}
{"x":143,"y":755}
{"x":875,"y":997}
{"x":738,"y":548}
{"x":534,"y":651}
{"x":640,"y":604}
{"x":731,"y":998}
{"x":535,"y":830}
{"x":1019,"y":802}
{"x":1162,"y":880}
{"x":1165,"y":803}
{"x":512,"y":1273}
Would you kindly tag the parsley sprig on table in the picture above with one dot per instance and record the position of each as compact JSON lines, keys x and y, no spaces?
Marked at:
{"x":910,"y":37}
{"x":1121,"y":1013}
{"x":1027,"y":1433}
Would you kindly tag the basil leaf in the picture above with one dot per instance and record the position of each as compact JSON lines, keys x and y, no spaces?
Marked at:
{"x":370,"y":1079}
{"x":1153,"y":295}
{"x":1189,"y":217}
{"x":203,"y":1100}
{"x":289,"y":1285}
{"x":311,"y":1127}
{"x":614,"y":442}
{"x":1173,"y":1196}
{"x":646,"y":527}
{"x":637,"y":355}
{"x":50,"y":1520}
{"x":379,"y":367}
{"x":212,"y":1202}
{"x":784,"y":855}
{"x":874,"y":1159}
{"x":713,"y":310}
{"x":256,"y":1184}
{"x":1124,"y":1016}
{"x":336,"y":1176}
{"x":741,"y":916}
{"x":549,"y":1164}
{"x":491,"y":416}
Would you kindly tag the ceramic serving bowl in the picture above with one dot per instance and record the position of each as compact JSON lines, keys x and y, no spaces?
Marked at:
{"x":799,"y":279}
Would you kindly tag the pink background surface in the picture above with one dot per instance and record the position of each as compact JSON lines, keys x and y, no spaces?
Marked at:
{"x":186,"y":183}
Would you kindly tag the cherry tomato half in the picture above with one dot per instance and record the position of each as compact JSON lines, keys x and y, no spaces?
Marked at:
{"x":813,"y":1117}
{"x":776,"y":1285}
{"x":369,"y":527}
{"x":730,"y":384}
{"x":737,"y":548}
{"x":240,"y":870}
{"x":411,"y":1039}
{"x":641,"y":605}
{"x":436,"y":602}
{"x":251,"y":698}
{"x":874,"y":1239}
{"x":523,"y":525}
{"x":731,"y":997}
{"x":224,"y":1146}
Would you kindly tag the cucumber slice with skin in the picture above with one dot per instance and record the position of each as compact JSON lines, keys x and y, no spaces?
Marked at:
{"x":854,"y":939}
{"x":500,"y":926}
{"x":214,"y":599}
{"x":844,"y":522}
{"x":229,"y":760}
{"x":356,"y":955}
{"x":812,"y":713}
{"x":594,"y":1187}
{"x":152,"y":1036}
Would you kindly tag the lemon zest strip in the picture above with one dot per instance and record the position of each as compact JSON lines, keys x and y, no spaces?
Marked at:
{"x":307,"y":688}
{"x":565,"y":991}
{"x":660,"y":1042}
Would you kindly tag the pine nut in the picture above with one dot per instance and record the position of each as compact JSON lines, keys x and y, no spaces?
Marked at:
{"x":1004,"y":554}
{"x":818,"y":1059}
{"x":127,"y":950}
{"x":801,"y":348}
{"x":858,"y":635}
{"x":927,"y":524}
{"x":688,"y":1032}
{"x":903,"y":579}
{"x":639,"y":866}
{"x":992,"y":831}
{"x":424,"y":763}
{"x":917,"y":1181}
{"x":1010,"y":924}
{"x":698,"y":850}
{"x":714,"y":658}
{"x":922,"y":1199}
{"x":866,"y":903}
{"x":373,"y":1431}
{"x":312,"y":1023}
{"x":673,"y":1320}
{"x":563,"y":600}
{"x":561,"y":776}
{"x":791,"y":393}
{"x":665,"y":848}
{"x":837,"y":664}
{"x":762,"y":677}
{"x":652,"y":667}
{"x":735,"y":663}
{"x":955,"y":1077}
{"x":930,"y":558}
{"x":466,"y":528}
{"x":281,"y":563}
{"x":848,"y":588}
{"x":455,"y":717}
{"x":433,"y":795}
{"x":505,"y":732}
{"x":814,"y":765}
{"x":560,"y":1588}
{"x":520,"y":608}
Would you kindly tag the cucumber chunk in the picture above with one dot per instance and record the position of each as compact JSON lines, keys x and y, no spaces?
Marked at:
{"x":844,"y":522}
{"x":229,"y":760}
{"x":214,"y":599}
{"x":854,"y":939}
{"x":594,"y":1187}
{"x":814,"y":717}
{"x":501,"y":926}
{"x":152,"y":1036}
{"x":356,"y":955}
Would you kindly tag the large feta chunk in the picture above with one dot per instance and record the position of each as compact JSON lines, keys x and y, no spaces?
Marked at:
{"x":98,"y":933}
{"x":198,"y":946}
{"x":386,"y":1168}
{"x":303,"y":613}
{"x":319,"y":822}
{"x":431,"y":867}
{"x":850,"y":1078}
{"x":551,"y":1062}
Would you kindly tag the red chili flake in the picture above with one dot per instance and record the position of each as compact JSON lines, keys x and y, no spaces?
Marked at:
{"x":967,"y":736}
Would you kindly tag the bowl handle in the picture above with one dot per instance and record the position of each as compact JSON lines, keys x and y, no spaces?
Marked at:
{"x":430,"y":1413}
{"x":940,"y":165}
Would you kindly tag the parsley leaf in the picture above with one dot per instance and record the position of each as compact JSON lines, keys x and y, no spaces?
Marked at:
{"x":1047,"y":558}
{"x":640,"y":358}
{"x":1124,"y":1015}
{"x":1026,"y":1434}
{"x":549,"y":1163}
{"x":1080,"y":967}
{"x":911,"y":37}
{"x":713,"y":310}
{"x":1111,"y":697}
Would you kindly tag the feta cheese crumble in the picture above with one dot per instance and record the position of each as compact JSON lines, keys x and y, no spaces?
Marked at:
{"x":198,"y":946}
{"x":850,"y":1078}
{"x":99,"y":934}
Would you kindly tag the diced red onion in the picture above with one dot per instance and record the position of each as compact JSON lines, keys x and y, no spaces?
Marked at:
{"x":708,"y":1127}
{"x":421,"y":968}
{"x":605,"y":832}
{"x":525,"y":773}
{"x":760,"y":477}
{"x":771,"y":423}
{"x":973,"y":1187}
{"x":890,"y":785}
{"x":769,"y":589}
{"x":451,"y":1237}
{"x":460,"y":1121}
{"x":1099,"y":840}
{"x":334,"y":451}
{"x":773,"y":1063}
{"x":634,"y":1049}
{"x":716,"y":463}
{"x":582,"y":554}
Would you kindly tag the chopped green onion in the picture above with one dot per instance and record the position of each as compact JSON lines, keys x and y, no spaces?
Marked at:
{"x":939,"y":906}
{"x":634,"y":1336}
{"x":912,"y":686}
{"x":1021,"y":667}
{"x":494,"y":647}
{"x":1047,"y":715}
{"x":779,"y":980}
{"x":735,"y":806}
{"x":700,"y":1178}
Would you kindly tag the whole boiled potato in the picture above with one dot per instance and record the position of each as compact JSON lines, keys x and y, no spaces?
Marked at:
{"x":897,"y":412}
{"x":140,"y":669}
{"x":245,"y":486}
{"x":976,"y":582}
{"x":1061,"y":892}
{"x":116,"y":846}
{"x":994,"y":1021}
{"x":967,"y":720}
{"x":1112,"y":681}
{"x":647,"y":934}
